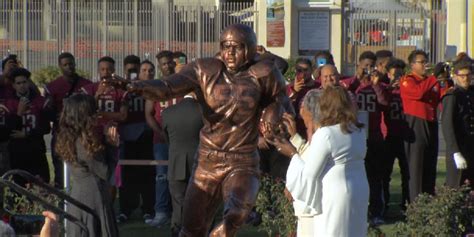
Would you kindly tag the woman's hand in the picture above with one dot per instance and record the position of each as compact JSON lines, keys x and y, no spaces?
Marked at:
{"x":111,"y":134}
{"x":51,"y":226}
{"x":290,"y":124}
{"x":283,"y":146}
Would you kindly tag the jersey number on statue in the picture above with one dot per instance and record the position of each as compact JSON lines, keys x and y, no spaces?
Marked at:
{"x":366,"y":102}
{"x":29,"y":122}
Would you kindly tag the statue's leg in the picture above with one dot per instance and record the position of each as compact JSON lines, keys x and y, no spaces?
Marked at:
{"x":203,"y":196}
{"x":239,"y":191}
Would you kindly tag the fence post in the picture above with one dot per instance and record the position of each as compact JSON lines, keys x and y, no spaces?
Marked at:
{"x":135,"y":27}
{"x":167,"y":21}
{"x":199,"y":35}
{"x":104,"y":27}
{"x":393,"y":32}
{"x":25,"y":34}
{"x":72,"y":28}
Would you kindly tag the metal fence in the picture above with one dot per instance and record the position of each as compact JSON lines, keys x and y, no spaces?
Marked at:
{"x":38,"y":30}
{"x":390,"y":25}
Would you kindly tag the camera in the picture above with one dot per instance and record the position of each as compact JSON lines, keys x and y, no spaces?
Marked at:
{"x":369,"y":71}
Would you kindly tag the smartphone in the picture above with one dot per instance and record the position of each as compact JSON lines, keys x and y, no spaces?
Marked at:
{"x":27,"y":224}
{"x":299,"y":76}
{"x":133,"y":74}
{"x":182,"y":60}
{"x":321,"y":62}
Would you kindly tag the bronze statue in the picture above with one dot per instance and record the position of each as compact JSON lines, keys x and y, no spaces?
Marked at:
{"x":232,"y":92}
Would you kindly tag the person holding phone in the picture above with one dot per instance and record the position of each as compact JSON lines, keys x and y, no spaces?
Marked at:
{"x":112,"y":107}
{"x":394,"y":120}
{"x":297,"y":89}
{"x":321,"y":58}
{"x":138,"y":182}
{"x":30,"y":122}
{"x":131,"y":66}
{"x":180,"y":60}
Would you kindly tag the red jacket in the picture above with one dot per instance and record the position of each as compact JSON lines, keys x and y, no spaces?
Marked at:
{"x":420,"y":97}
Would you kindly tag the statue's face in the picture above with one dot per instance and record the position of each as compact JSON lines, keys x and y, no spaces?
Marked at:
{"x":233,"y":55}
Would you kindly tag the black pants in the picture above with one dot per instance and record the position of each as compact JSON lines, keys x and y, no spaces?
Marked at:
{"x":421,"y":147}
{"x":374,"y":165}
{"x":177,"y":192}
{"x":138,"y":181}
{"x":58,"y":165}
{"x":395,"y":150}
{"x":454,"y":177}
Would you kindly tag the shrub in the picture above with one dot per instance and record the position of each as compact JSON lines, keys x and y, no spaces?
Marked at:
{"x":47,"y":74}
{"x":290,"y":73}
{"x":449,"y":213}
{"x":276,"y":210}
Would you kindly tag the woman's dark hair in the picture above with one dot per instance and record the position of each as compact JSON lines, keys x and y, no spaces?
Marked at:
{"x":335,"y":107}
{"x":78,"y":121}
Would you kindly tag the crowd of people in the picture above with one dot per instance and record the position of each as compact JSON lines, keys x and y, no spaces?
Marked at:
{"x":205,"y":118}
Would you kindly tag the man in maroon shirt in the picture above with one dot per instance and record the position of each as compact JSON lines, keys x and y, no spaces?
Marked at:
{"x":30,"y":118}
{"x":420,"y":95}
{"x":396,"y":125}
{"x":298,"y":88}
{"x":365,"y":66}
{"x":372,"y":97}
{"x":111,"y":102}
{"x":56,"y":91}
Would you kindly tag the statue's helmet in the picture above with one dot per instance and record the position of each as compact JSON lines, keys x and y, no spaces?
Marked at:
{"x":242,"y":34}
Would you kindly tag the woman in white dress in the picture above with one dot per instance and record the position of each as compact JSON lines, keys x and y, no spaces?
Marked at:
{"x":329,"y":177}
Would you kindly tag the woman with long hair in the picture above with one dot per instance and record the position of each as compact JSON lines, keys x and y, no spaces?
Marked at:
{"x":329,"y":178}
{"x":83,"y":146}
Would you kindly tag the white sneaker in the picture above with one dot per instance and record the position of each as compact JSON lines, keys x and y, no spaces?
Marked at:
{"x":159,"y":220}
{"x":147,"y":218}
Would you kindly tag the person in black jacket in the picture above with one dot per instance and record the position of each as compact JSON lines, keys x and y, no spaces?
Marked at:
{"x":458,"y":127}
{"x":181,"y":126}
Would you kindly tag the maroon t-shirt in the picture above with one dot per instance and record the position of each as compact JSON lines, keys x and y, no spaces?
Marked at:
{"x":109,"y":101}
{"x":159,"y":107}
{"x":373,"y":99}
{"x":394,"y":117}
{"x":34,"y":121}
{"x":59,"y":88}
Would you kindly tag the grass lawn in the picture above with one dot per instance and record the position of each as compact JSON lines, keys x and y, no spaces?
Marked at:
{"x":135,"y":227}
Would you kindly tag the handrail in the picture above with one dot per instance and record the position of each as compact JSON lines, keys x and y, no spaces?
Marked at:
{"x":4,"y":181}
